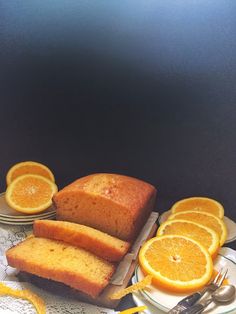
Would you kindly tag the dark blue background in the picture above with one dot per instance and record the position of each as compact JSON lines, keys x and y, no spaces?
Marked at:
{"x":143,"y":88}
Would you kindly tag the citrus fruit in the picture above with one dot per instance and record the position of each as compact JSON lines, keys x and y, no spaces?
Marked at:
{"x":206,"y":236}
{"x":28,"y":167}
{"x":30,"y":193}
{"x":177,"y":263}
{"x":199,"y":203}
{"x":205,"y":219}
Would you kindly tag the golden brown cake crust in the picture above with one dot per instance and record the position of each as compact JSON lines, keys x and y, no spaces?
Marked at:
{"x":61,"y":262}
{"x":116,"y":204}
{"x":92,"y":240}
{"x":127,"y":191}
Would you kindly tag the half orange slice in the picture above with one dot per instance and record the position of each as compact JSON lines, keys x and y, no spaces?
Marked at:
{"x":30,"y":193}
{"x":28,"y":167}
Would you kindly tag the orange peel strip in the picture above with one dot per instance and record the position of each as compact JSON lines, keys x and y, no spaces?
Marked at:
{"x":134,"y":310}
{"x":135,"y":287}
{"x":33,"y":298}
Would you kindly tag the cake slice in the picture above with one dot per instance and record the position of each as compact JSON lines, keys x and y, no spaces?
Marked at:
{"x":116,"y":204}
{"x":62,"y":262}
{"x":92,"y":240}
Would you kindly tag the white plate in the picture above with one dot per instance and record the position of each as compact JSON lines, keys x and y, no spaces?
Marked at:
{"x":28,"y":216}
{"x":27,"y":219}
{"x":25,"y":222}
{"x":165,"y":301}
{"x":20,"y":223}
{"x":230,"y":224}
{"x":8,"y":212}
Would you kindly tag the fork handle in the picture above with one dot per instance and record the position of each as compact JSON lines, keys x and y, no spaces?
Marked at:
{"x":191,"y":299}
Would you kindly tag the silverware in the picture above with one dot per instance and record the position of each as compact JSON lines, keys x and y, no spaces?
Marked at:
{"x":223,"y":294}
{"x":190,"y":300}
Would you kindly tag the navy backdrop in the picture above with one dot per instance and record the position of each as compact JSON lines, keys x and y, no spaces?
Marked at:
{"x":143,"y":88}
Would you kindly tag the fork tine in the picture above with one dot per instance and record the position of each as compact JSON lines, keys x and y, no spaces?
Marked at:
{"x":218,"y":275}
{"x":222,"y":278}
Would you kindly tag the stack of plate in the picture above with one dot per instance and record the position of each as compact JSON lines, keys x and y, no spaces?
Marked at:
{"x":11,"y":217}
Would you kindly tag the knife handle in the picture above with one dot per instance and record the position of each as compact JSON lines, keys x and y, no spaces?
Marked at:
{"x":197,"y":308}
{"x":186,"y":303}
{"x":190,"y":300}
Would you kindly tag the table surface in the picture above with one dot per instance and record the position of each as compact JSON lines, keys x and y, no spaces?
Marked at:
{"x":142,"y":88}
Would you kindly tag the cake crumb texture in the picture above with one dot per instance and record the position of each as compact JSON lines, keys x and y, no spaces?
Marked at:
{"x":62,"y":262}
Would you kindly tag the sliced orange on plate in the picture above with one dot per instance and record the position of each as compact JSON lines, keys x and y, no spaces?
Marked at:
{"x":29,"y":167}
{"x":205,"y":219}
{"x":206,"y":236}
{"x":204,"y":204}
{"x":30,"y":193}
{"x":177,"y":263}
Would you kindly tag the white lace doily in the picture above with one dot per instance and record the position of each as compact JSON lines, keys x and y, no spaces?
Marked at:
{"x":9,"y":236}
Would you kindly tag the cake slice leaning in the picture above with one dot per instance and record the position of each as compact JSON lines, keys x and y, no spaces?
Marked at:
{"x":90,"y":239}
{"x":62,"y":262}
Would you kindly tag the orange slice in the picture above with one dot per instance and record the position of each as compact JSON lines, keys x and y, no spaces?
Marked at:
{"x":206,"y":236}
{"x":205,"y":219}
{"x":201,"y":204}
{"x":177,"y":263}
{"x":28,"y":167}
{"x":30,"y":193}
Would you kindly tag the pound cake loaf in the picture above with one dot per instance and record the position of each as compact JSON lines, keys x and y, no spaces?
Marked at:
{"x":92,"y":240}
{"x":115,"y":204}
{"x":62,"y":262}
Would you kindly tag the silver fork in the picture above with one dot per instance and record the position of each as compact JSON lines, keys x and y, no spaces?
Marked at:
{"x":190,"y":300}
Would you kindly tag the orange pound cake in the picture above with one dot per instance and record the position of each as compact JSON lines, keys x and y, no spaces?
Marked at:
{"x":115,"y":204}
{"x":62,"y":262}
{"x":94,"y":241}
